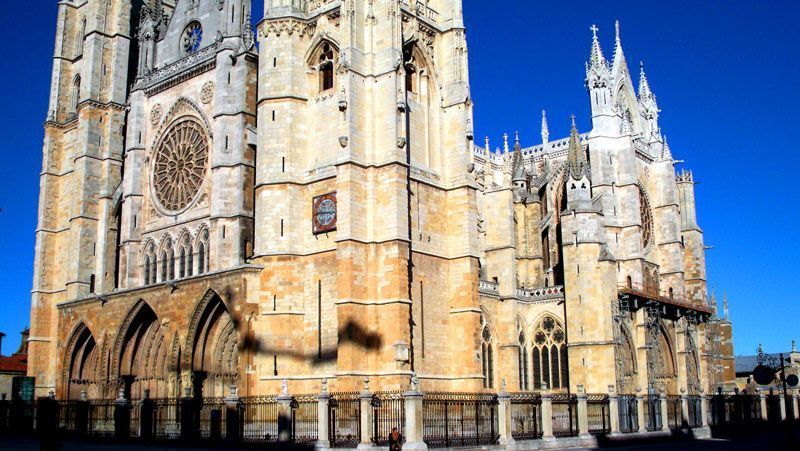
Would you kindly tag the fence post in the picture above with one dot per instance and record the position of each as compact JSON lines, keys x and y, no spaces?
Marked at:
{"x":547,"y":414}
{"x":232,"y":417}
{"x":365,"y":401}
{"x":122,"y":417}
{"x":414,"y":430}
{"x":613,"y":409}
{"x":187,"y":414}
{"x":704,"y":400}
{"x":640,"y":410}
{"x":583,"y":412}
{"x":284,"y":413}
{"x":762,"y":401}
{"x":783,"y":406}
{"x":323,"y":417}
{"x":504,"y":416}
{"x":795,"y":405}
{"x":662,"y":397}
{"x":82,"y":416}
{"x":146,"y":417}
{"x":684,"y":409}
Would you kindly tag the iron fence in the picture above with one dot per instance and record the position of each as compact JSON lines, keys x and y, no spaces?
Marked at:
{"x":737,"y":409}
{"x":695,"y":407}
{"x":674,"y":412}
{"x":305,"y":419}
{"x":459,"y":419}
{"x":166,"y":419}
{"x":210,"y":418}
{"x":345,"y":420}
{"x":599,"y":414}
{"x":628,"y":413}
{"x":565,"y":416}
{"x":526,"y":416}
{"x":652,"y":412}
{"x":258,"y":417}
{"x":101,"y":418}
{"x":388,"y":411}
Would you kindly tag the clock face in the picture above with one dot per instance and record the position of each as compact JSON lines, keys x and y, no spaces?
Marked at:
{"x":324,"y":213}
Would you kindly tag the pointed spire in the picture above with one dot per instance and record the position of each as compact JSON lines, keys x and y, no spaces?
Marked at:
{"x":488,"y":149}
{"x":505,"y":143}
{"x":577,"y":160}
{"x":545,"y":129}
{"x":760,"y":349}
{"x":596,"y":57}
{"x":644,"y":85}
{"x":794,"y":346}
{"x":725,"y":305}
{"x":619,"y":62}
{"x":666,"y":153}
{"x":714,"y":301}
{"x":517,"y":166}
{"x":516,"y":140}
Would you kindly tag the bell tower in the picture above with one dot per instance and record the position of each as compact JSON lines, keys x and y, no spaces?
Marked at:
{"x":76,"y":237}
{"x":365,"y":129}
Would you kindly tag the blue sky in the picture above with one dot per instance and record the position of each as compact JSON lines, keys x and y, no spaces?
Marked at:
{"x":726,"y":77}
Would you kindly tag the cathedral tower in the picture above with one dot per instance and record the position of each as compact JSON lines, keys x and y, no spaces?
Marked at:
{"x":365,"y":205}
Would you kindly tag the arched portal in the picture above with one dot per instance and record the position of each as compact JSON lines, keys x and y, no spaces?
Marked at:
{"x":142,"y":355}
{"x":81,"y":365}
{"x":213,"y":351}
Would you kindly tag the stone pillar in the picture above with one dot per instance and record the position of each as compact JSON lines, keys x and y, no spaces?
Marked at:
{"x":762,"y":400}
{"x":188,"y":412}
{"x":704,"y":410}
{"x":640,"y":411}
{"x":323,"y":418}
{"x":795,"y":403}
{"x":233,"y":424}
{"x":146,"y":417}
{"x":613,"y":409}
{"x":547,"y":414}
{"x":284,"y":414}
{"x":664,"y":412}
{"x":783,"y":406}
{"x":81,"y":416}
{"x":413,"y":428}
{"x":365,"y":400}
{"x":684,"y":409}
{"x":504,"y":418}
{"x":122,"y":417}
{"x":583,"y":412}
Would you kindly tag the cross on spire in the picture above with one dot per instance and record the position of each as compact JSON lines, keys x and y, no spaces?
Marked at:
{"x":594,"y":30}
{"x":573,"y":120}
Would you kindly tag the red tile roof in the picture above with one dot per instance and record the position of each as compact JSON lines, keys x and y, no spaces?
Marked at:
{"x":17,"y":363}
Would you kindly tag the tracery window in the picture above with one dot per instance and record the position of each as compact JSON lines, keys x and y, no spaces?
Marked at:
{"x":76,"y":94}
{"x":192,"y":38}
{"x":523,"y":358}
{"x":185,"y":258}
{"x":487,"y":362}
{"x":150,"y":263}
{"x":646,"y":218}
{"x":549,"y":355}
{"x":79,"y":38}
{"x":202,"y":252}
{"x":326,"y":59}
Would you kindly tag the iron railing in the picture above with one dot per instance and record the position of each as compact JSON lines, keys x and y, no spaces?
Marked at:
{"x":388,"y":411}
{"x":652,"y":412}
{"x":737,"y":409}
{"x":674,"y":412}
{"x":526,"y":416}
{"x":345,"y":420}
{"x":565,"y":416}
{"x":628,"y":413}
{"x":259,"y":419}
{"x":599,"y":414}
{"x":695,"y":405}
{"x":459,"y":419}
{"x":305,"y":419}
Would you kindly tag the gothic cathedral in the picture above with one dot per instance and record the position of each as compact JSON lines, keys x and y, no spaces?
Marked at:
{"x":304,"y":203}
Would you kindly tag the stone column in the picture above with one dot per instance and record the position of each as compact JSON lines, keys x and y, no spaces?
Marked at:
{"x":704,"y":410}
{"x":613,"y":409}
{"x":122,"y":417}
{"x":146,"y":417}
{"x":547,"y":414}
{"x":640,"y":411}
{"x":762,"y":400}
{"x":783,"y":406}
{"x":233,"y":428}
{"x":664,"y":412}
{"x":365,"y":400}
{"x":81,"y":416}
{"x":323,"y":418}
{"x":504,"y":417}
{"x":795,"y":403}
{"x":583,"y":412}
{"x":284,"y":414}
{"x":684,"y":409}
{"x":413,"y":428}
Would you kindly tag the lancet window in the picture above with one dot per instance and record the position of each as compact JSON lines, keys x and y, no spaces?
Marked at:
{"x":487,"y":362}
{"x":549,"y":355}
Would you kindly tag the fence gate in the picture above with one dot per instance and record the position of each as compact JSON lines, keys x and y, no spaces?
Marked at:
{"x":628,"y":414}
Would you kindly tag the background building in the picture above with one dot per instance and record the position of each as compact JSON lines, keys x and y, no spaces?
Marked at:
{"x":214,"y":213}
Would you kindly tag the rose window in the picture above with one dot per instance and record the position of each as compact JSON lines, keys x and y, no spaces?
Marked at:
{"x":192,"y":37}
{"x":180,"y":165}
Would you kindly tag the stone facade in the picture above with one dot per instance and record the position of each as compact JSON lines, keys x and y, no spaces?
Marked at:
{"x":217,"y":213}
